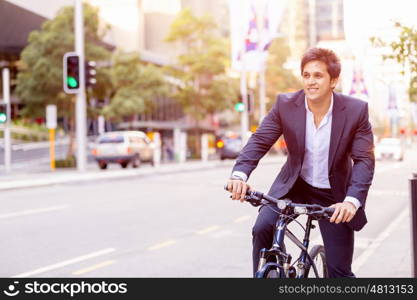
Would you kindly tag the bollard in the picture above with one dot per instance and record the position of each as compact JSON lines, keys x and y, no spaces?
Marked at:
{"x":413,"y":193}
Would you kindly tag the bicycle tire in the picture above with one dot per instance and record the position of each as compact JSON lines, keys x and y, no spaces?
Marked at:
{"x":318,"y":256}
{"x":270,"y":270}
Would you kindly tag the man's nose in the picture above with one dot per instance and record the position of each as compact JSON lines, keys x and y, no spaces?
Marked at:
{"x":311,"y":81}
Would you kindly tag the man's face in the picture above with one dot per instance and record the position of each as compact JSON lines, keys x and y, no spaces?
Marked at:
{"x":316,"y":81}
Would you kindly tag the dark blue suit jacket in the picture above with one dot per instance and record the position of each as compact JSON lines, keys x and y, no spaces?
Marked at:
{"x":351,"y":156}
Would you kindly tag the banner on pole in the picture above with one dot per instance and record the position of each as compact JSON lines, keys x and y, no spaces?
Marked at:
{"x":253,"y":24}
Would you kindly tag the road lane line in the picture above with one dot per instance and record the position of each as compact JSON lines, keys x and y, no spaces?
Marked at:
{"x":208,"y":229}
{"x":32,"y":212}
{"x":162,"y":245}
{"x":241,"y":219}
{"x":66,"y":263}
{"x":363,"y":258}
{"x":95,"y":267}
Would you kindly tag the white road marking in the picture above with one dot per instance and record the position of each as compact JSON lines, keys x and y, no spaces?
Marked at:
{"x":95,"y":267}
{"x":241,"y":219}
{"x":362,"y":259}
{"x":162,"y":245}
{"x":66,"y":263}
{"x":208,"y":229}
{"x":32,"y":212}
{"x":222,"y":233}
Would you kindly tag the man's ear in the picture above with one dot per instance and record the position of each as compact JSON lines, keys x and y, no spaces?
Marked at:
{"x":333,"y":82}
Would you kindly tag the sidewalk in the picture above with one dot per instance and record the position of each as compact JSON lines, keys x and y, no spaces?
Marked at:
{"x":59,"y":176}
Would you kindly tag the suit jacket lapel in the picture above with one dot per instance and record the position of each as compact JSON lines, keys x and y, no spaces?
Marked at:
{"x":299,"y":118}
{"x":338,"y":123}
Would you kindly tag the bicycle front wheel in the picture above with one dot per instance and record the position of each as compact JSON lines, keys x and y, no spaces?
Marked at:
{"x":318,"y":256}
{"x":269,"y":271}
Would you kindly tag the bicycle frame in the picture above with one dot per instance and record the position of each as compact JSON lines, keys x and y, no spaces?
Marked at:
{"x":284,"y":259}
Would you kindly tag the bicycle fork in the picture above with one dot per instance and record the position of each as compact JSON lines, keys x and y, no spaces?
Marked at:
{"x":276,"y":250}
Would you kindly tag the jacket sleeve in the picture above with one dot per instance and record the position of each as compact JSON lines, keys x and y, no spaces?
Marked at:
{"x":363,"y":159}
{"x":260,"y":142}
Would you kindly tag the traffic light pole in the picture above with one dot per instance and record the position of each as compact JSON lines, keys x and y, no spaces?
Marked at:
{"x":262,"y":94}
{"x":6,"y":100}
{"x":244,"y":122}
{"x":80,"y":106}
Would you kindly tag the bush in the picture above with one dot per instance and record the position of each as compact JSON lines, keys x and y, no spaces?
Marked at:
{"x":69,"y":162}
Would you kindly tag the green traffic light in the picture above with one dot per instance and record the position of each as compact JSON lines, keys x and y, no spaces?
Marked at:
{"x":3,"y":118}
{"x":239,"y":107}
{"x":72,"y":82}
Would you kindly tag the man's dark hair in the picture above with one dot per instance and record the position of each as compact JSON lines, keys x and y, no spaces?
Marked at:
{"x":326,"y":56}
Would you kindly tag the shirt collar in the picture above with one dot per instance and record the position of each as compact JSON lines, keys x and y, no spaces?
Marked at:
{"x":330,"y":108}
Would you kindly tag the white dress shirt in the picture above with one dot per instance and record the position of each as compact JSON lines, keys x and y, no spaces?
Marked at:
{"x":315,"y":168}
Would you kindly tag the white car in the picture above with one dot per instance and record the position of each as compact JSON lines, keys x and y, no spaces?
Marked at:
{"x":123,"y":147}
{"x":389,"y":148}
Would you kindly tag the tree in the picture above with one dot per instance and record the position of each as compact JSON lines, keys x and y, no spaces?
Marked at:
{"x":39,"y":81}
{"x":404,"y":51}
{"x":205,"y":88}
{"x":137,"y":85}
{"x":278,"y":78}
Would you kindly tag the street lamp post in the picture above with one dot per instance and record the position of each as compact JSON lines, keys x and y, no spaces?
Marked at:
{"x":80,"y":106}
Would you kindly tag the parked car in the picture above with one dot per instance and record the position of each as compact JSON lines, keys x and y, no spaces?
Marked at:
{"x":228,"y":145}
{"x":389,"y":148}
{"x":123,"y":147}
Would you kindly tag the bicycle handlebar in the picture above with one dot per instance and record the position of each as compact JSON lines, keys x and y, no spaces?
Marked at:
{"x":256,"y":198}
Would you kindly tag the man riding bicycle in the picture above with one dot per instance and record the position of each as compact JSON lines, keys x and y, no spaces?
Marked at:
{"x":330,"y":159}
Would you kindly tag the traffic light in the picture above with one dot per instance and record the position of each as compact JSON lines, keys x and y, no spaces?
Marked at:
{"x":239,"y":107}
{"x":3,"y":113}
{"x":251,"y":102}
{"x":71,"y":72}
{"x":90,"y":73}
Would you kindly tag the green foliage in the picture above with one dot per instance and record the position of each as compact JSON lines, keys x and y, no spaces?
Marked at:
{"x":404,"y":51}
{"x":205,"y":88}
{"x":279,"y":79}
{"x":138,"y":84}
{"x":40,"y":78}
{"x":69,"y":162}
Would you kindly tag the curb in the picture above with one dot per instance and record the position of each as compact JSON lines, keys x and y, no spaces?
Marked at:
{"x":52,"y":179}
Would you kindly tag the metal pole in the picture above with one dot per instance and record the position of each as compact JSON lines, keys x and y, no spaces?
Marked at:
{"x":262,"y":95}
{"x":80,"y":106}
{"x":52,"y":148}
{"x":413,"y":188}
{"x":244,"y":114}
{"x":7,"y":139}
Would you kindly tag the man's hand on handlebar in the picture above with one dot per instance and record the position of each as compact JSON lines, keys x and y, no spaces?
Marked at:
{"x":344,"y":212}
{"x":238,"y":188}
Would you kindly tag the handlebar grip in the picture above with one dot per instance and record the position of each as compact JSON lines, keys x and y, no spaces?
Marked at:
{"x":330,"y":210}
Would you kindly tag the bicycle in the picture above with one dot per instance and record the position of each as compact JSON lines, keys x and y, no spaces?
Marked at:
{"x":307,"y":260}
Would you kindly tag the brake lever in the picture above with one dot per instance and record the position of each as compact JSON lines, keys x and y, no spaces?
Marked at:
{"x":253,"y":202}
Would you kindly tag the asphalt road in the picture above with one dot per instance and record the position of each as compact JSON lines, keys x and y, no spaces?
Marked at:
{"x":176,"y":225}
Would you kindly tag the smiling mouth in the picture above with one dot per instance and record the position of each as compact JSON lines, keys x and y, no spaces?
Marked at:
{"x":312,"y":90}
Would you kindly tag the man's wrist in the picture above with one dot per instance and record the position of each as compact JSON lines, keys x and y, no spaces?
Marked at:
{"x":355,"y":202}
